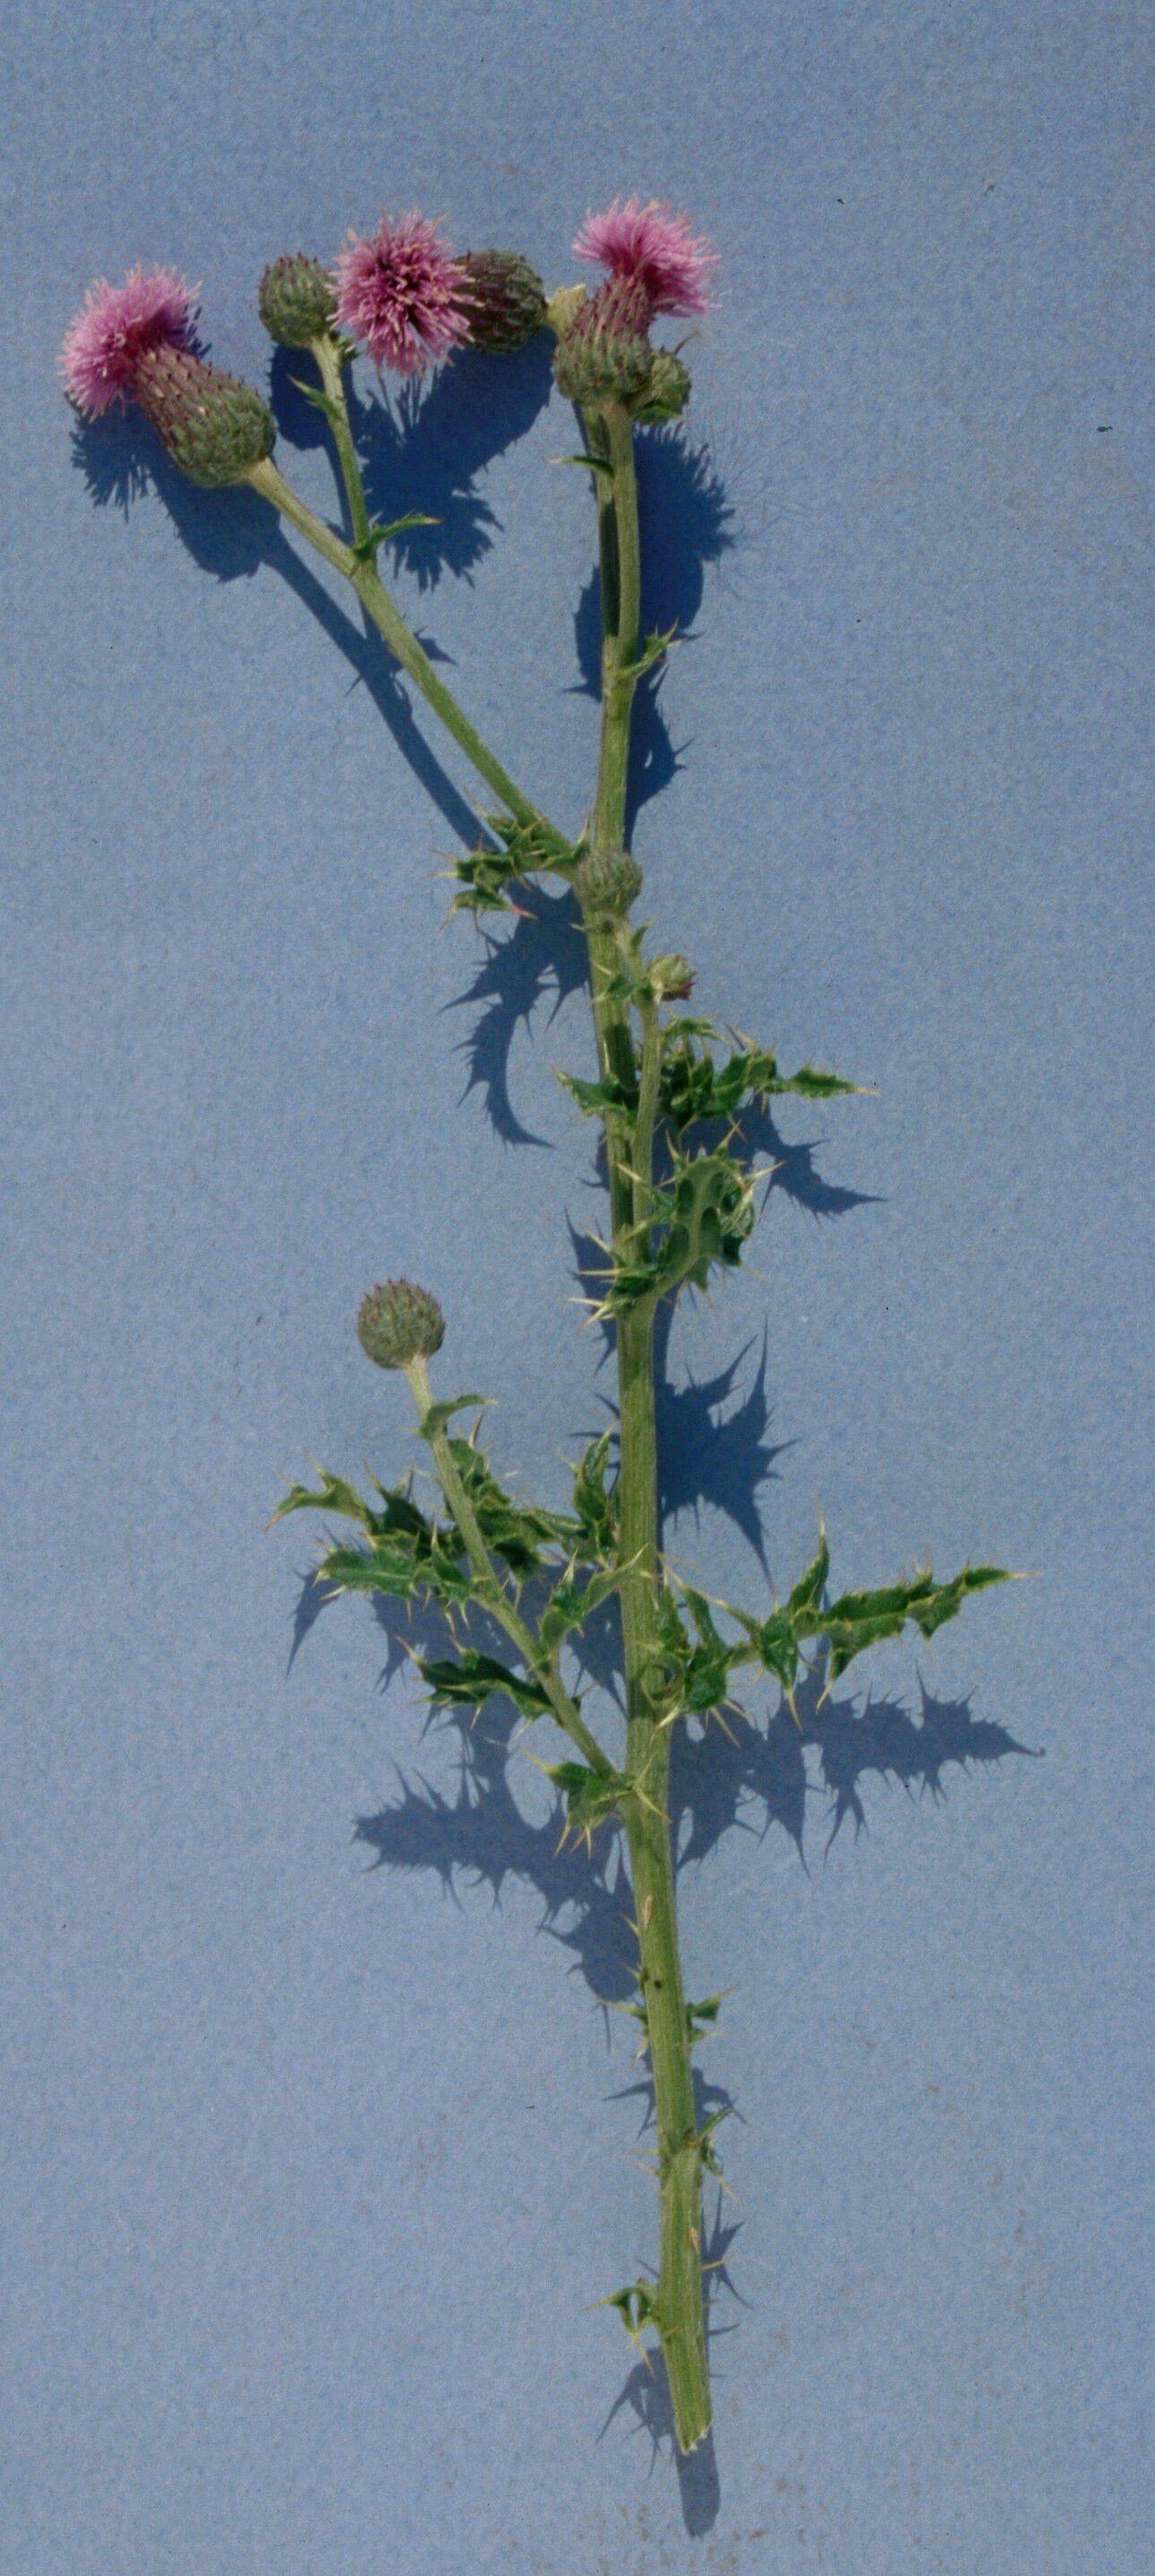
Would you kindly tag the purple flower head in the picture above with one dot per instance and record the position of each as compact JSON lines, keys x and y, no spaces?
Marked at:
{"x":654,"y":247}
{"x":154,"y":309}
{"x":402,"y":295}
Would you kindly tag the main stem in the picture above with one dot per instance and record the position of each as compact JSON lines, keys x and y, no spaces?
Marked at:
{"x":680,"y":2310}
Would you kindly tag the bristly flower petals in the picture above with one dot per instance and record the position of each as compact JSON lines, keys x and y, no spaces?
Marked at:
{"x":654,"y":246}
{"x":116,"y":325}
{"x":402,"y":295}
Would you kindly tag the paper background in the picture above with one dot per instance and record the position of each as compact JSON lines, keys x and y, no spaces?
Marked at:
{"x":314,"y":2170}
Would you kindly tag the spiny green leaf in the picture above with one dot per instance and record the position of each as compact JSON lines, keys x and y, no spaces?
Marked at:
{"x":441,"y":1413}
{"x":321,"y":401}
{"x":637,"y":2307}
{"x":702,"y":2018}
{"x":654,"y":647}
{"x":695,"y":1671}
{"x":516,"y":1532}
{"x":594,"y":1505}
{"x":808,"y":1590}
{"x":702,"y":1220}
{"x":694,"y":1087}
{"x":596,"y":464}
{"x":860,"y":1619}
{"x":401,"y":1569}
{"x":472,"y":1679}
{"x":591,"y":1797}
{"x":774,"y":1645}
{"x":535,"y":844}
{"x":482,"y":877}
{"x":571,"y":1604}
{"x":335,"y":1495}
{"x":601,"y":1099}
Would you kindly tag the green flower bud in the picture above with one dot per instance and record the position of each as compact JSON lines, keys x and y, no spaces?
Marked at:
{"x":607,"y":882}
{"x":214,"y":427}
{"x":563,"y":308}
{"x":506,"y":300}
{"x":668,"y":390}
{"x":670,"y":978}
{"x":398,"y":1323}
{"x":296,"y":300}
{"x":605,"y":355}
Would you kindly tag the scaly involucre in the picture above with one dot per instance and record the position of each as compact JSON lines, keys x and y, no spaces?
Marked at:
{"x":402,"y":295}
{"x":114,"y":328}
{"x":656,"y":248}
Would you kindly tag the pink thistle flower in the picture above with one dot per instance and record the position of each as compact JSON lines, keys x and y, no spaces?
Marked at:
{"x":655,"y":247}
{"x":402,"y":294}
{"x":154,"y":309}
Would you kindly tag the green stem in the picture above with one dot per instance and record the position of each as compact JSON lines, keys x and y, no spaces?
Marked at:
{"x":329,"y":362}
{"x":399,"y":637}
{"x":680,"y":2311}
{"x":490,"y":1589}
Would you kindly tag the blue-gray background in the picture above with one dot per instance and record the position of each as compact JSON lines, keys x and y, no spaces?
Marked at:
{"x":313,"y":2173}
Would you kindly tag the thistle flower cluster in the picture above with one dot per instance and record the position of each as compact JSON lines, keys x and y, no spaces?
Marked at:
{"x":407,"y":300}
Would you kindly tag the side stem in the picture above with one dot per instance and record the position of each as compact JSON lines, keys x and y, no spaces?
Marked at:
{"x":390,"y":624}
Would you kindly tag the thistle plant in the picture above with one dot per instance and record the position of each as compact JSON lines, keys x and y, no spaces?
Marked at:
{"x":514,"y":1582}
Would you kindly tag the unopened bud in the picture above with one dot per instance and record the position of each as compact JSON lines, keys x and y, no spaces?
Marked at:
{"x":505,"y":300}
{"x":605,"y":355}
{"x":296,"y":300}
{"x":563,"y":307}
{"x":671,"y":978}
{"x":214,"y":427}
{"x":399,"y":1323}
{"x":668,"y":390}
{"x":607,"y":882}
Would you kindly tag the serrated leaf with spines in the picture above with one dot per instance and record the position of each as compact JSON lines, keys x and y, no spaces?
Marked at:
{"x":335,"y":1494}
{"x":694,"y":1087}
{"x":701,"y":1221}
{"x":518,"y":1533}
{"x":571,"y":1603}
{"x":591,"y":1797}
{"x":596,"y":1519}
{"x":472,"y":1678}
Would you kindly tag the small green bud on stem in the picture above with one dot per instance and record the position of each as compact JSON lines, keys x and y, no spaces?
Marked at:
{"x":399,"y":1323}
{"x":606,"y":883}
{"x":506,"y":300}
{"x":605,"y":354}
{"x":296,"y":300}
